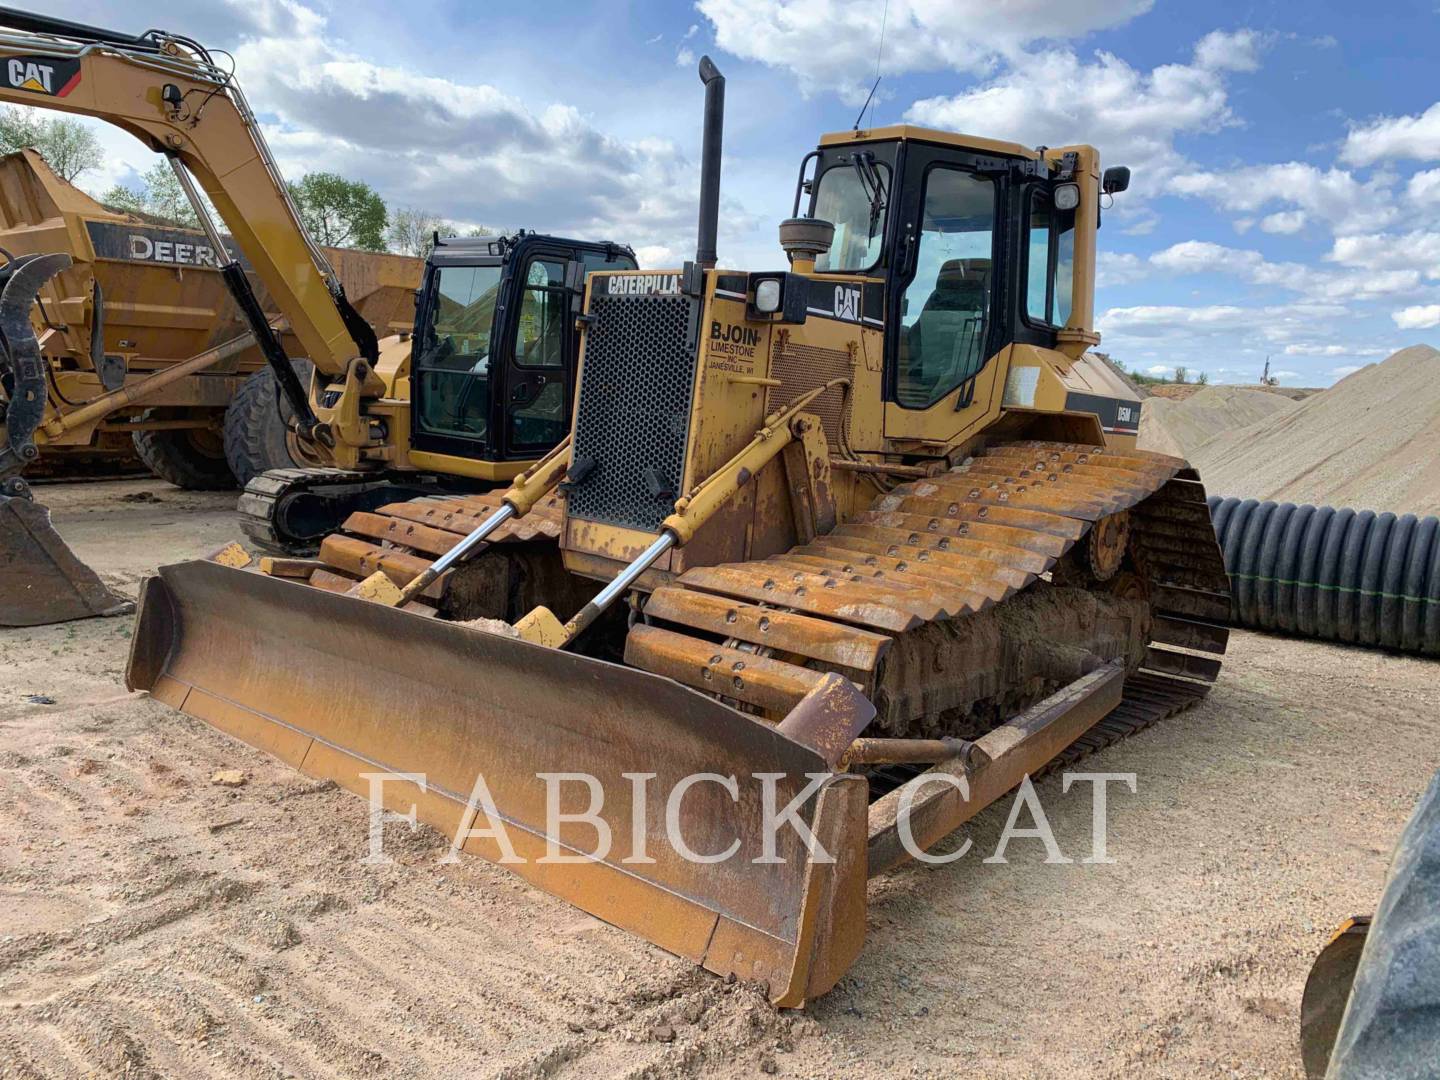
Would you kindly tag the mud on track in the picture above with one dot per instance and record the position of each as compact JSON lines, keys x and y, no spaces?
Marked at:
{"x":155,"y":924}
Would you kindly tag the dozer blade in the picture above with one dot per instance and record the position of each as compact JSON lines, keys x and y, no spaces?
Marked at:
{"x":41,"y":580}
{"x":346,"y":690}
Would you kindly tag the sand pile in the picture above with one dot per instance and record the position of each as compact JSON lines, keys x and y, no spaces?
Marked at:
{"x":1370,"y":441}
{"x":1182,"y":426}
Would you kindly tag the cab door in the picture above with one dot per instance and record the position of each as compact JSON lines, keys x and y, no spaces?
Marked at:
{"x":946,"y":310}
{"x":544,"y":345}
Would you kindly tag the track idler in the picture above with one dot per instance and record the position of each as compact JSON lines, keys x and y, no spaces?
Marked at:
{"x":41,"y":580}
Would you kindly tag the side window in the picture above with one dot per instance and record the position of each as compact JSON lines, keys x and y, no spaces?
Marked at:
{"x":540,"y":337}
{"x":1049,"y":284}
{"x":1037,"y":259}
{"x":944,"y":314}
{"x":1064,"y":267}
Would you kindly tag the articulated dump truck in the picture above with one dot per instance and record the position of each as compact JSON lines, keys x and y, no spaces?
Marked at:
{"x":833,"y":557}
{"x":141,"y":298}
{"x":141,"y":351}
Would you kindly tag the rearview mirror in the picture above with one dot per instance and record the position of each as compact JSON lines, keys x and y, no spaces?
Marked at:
{"x":1115,"y":180}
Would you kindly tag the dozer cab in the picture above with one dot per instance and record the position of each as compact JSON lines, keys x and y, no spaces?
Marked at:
{"x":843,"y":551}
{"x":351,"y":426}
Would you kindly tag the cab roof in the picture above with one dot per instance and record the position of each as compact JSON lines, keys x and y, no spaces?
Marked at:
{"x":911,"y":132}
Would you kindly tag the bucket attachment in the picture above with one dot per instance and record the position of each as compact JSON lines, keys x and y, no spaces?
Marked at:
{"x":572,"y":751}
{"x":41,"y":580}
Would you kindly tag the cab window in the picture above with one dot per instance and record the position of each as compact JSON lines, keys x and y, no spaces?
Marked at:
{"x":853,"y":199}
{"x":540,"y":339}
{"x":1050,"y":261}
{"x":945,"y":311}
{"x":453,"y":365}
{"x":537,"y":409}
{"x":1037,"y":258}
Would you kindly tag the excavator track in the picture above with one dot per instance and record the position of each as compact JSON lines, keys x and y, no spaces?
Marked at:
{"x":953,"y":551}
{"x":289,"y":511}
{"x":403,"y":538}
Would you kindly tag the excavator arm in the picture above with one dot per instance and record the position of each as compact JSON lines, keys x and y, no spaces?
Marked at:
{"x":168,"y":91}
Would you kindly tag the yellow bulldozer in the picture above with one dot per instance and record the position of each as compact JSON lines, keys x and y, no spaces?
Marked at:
{"x":136,"y":336}
{"x":833,"y":556}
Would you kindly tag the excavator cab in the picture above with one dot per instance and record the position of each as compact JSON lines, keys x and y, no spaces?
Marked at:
{"x":488,"y":371}
{"x":495,"y":343}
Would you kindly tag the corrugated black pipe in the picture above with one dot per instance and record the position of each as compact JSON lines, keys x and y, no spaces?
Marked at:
{"x":1336,"y":574}
{"x":705,"y":244}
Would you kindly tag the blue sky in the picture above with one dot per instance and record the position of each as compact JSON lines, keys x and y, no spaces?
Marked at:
{"x":1286,"y":200}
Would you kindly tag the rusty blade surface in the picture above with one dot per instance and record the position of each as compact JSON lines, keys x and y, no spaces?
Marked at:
{"x":340,"y":688}
{"x":41,"y":580}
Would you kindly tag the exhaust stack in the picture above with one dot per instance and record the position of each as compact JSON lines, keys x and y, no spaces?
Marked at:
{"x":705,"y":253}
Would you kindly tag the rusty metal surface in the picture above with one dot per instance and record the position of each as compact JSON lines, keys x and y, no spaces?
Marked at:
{"x":379,"y":689}
{"x":41,"y":580}
{"x":829,"y":718}
{"x":786,"y":631}
{"x":1016,"y":748}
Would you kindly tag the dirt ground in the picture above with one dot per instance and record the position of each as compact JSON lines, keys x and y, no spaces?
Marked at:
{"x":155,"y":924}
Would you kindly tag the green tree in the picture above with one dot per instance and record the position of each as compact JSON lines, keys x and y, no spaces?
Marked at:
{"x":68,"y":146}
{"x":340,"y":212}
{"x":1181,"y":375}
{"x":1203,"y":379}
{"x":412,"y":231}
{"x":160,"y":195}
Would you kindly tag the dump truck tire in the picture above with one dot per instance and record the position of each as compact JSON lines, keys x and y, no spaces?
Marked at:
{"x":257,"y":426}
{"x":192,"y":459}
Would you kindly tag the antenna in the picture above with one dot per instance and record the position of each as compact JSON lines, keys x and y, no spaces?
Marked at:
{"x":879,"y":53}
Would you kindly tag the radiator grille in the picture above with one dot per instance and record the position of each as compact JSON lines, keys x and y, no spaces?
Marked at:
{"x":633,"y":414}
{"x":804,"y":367}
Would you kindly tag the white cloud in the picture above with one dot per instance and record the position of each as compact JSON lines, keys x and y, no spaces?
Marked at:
{"x":1333,"y":350}
{"x":1346,"y":369}
{"x":1286,"y":374}
{"x":1420,"y":317}
{"x":1221,"y":50}
{"x":1117,"y":268}
{"x":1131,"y":115}
{"x":1283,"y":222}
{"x":1393,"y":138}
{"x":685,"y":58}
{"x":831,"y":44}
{"x":1333,"y":196}
{"x":467,"y":150}
{"x":1159,"y":369}
{"x":1424,"y":189}
{"x":1207,"y":257}
{"x":1417,"y":251}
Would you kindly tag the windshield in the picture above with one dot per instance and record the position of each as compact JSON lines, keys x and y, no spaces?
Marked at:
{"x":846,"y":197}
{"x":453,"y":367}
{"x":458,"y":336}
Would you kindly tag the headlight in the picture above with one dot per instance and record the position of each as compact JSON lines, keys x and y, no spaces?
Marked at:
{"x":768,"y":296}
{"x":1067,"y":196}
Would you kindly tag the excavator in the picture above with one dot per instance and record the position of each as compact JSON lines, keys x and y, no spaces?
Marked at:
{"x":834,"y":556}
{"x":478,"y":415}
